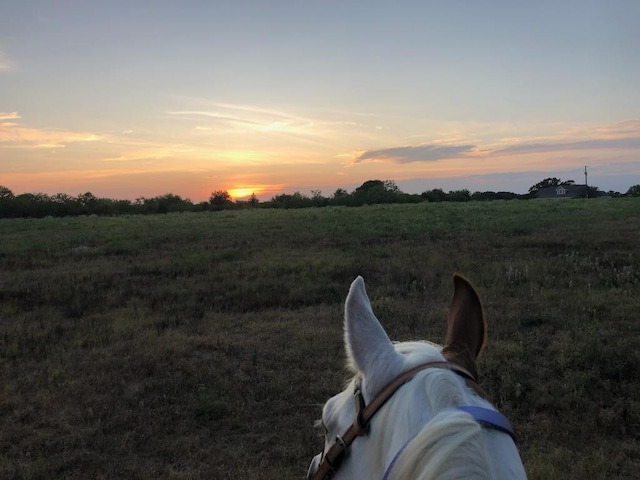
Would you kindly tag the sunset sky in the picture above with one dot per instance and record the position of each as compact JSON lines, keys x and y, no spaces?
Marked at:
{"x":144,"y":97}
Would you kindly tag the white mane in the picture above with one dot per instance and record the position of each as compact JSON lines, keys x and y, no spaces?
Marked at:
{"x":447,"y":443}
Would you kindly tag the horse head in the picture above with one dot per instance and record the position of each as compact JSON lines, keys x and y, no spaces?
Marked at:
{"x":414,"y":410}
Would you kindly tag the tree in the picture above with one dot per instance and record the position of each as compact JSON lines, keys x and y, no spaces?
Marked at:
{"x":633,"y":191}
{"x":5,"y":193}
{"x":377,"y":191}
{"x":253,"y":200}
{"x":340,"y":197}
{"x":294,"y":200}
{"x":220,"y":199}
{"x":390,"y":186}
{"x":172,"y":203}
{"x":6,"y":202}
{"x":435,"y":195}
{"x":61,"y":205}
{"x":489,"y":196}
{"x":317,"y":200}
{"x":459,"y":195}
{"x":590,"y":192}
{"x":548,"y":182}
{"x":34,"y":205}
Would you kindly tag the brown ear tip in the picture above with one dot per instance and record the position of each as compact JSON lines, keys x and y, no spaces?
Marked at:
{"x":458,"y":279}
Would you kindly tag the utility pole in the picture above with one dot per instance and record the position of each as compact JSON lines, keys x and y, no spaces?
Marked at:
{"x":586,"y":185}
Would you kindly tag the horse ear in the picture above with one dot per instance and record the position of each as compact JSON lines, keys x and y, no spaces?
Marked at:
{"x":466,"y":326}
{"x":369,"y":349}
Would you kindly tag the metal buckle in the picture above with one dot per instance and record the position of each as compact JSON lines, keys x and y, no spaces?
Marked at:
{"x":344,"y":453}
{"x":344,"y":446}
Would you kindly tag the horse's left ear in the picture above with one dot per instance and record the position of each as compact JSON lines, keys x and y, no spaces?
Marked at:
{"x":466,"y":326}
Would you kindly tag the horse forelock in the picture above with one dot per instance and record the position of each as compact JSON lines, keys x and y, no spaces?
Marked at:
{"x":437,"y":439}
{"x":442,"y":442}
{"x":448,"y":446}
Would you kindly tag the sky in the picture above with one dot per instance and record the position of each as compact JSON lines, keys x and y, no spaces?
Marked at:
{"x":138,"y":98}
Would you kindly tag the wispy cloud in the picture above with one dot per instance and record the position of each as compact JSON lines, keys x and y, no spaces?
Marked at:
{"x":416,"y":153}
{"x":6,"y":64}
{"x":626,"y":128}
{"x":15,"y":135}
{"x":623,"y":135}
{"x":619,"y":136}
{"x":183,"y":156}
{"x":228,"y":120}
{"x":623,"y":129}
{"x":4,"y":116}
{"x":157,"y":152}
{"x":547,"y":147}
{"x":215,"y":116}
{"x":257,"y":119}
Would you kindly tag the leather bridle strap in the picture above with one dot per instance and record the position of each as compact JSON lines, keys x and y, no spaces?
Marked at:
{"x":338,"y":451}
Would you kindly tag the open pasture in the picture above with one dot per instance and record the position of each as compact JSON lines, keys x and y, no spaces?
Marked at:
{"x":203,"y":345}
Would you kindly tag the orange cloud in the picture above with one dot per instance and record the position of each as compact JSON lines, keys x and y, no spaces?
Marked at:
{"x":15,"y":135}
{"x":152,"y":152}
{"x":8,"y":116}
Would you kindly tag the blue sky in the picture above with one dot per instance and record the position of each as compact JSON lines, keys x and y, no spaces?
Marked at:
{"x":141,"y":98}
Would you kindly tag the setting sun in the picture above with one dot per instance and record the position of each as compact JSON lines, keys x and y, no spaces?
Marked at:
{"x":242,"y":192}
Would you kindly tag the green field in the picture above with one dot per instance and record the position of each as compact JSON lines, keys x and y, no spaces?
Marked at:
{"x":202,"y":345}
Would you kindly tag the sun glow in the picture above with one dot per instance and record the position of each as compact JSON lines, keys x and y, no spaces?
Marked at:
{"x":243,"y":192}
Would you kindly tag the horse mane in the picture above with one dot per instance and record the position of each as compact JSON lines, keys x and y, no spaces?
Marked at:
{"x":448,"y":447}
{"x":446,"y":443}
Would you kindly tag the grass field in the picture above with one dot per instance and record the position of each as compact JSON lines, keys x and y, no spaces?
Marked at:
{"x":203,"y":345}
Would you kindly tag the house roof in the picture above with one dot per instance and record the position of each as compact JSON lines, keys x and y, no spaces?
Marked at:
{"x":561,"y":191}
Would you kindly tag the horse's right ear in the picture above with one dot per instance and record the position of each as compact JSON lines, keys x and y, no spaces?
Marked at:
{"x":369,"y":349}
{"x":466,"y":326}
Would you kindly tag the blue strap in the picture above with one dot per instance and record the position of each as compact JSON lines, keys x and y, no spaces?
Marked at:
{"x":490,"y":418}
{"x":395,"y":459}
{"x":484,"y":416}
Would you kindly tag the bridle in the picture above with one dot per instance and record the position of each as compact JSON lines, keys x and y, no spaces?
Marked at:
{"x":332,"y":458}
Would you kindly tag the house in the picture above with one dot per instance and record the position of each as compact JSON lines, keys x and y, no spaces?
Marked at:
{"x":562,"y":191}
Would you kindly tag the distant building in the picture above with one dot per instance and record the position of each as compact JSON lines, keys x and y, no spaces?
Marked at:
{"x":566,"y":191}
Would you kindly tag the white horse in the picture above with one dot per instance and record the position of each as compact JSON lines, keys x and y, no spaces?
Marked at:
{"x":414,"y":410}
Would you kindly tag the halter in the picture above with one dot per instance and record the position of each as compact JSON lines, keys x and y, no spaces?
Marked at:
{"x":332,"y":459}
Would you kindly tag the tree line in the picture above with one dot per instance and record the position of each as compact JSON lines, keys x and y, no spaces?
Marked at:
{"x":39,"y":205}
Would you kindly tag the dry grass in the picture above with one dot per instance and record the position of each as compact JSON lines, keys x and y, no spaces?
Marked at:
{"x":202,"y":345}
